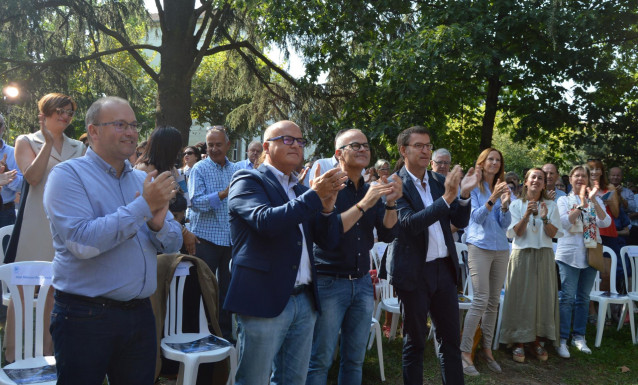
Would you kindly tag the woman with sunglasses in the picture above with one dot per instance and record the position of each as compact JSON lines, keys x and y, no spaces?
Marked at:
{"x":191,"y":156}
{"x":36,"y":154}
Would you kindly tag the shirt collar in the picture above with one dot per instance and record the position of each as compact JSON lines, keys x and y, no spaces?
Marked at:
{"x":285,"y":180}
{"x":416,"y":180}
{"x":217,"y":164}
{"x":104,"y":165}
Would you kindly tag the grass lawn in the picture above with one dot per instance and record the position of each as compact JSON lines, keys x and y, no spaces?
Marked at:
{"x":603,"y":366}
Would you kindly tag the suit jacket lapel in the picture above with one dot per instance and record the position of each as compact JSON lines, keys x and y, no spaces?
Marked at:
{"x":410,"y":190}
{"x":272,"y":179}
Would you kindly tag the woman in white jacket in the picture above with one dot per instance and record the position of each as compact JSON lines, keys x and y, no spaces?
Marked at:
{"x":582,"y":213}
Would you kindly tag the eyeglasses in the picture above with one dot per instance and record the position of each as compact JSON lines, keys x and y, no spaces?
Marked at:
{"x":121,"y":125}
{"x":356,"y":146}
{"x":62,"y":111}
{"x":421,"y":146}
{"x":442,"y":162}
{"x":188,"y":153}
{"x":289,"y":140}
{"x":384,"y":169}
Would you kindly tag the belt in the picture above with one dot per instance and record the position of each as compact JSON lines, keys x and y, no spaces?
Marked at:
{"x":8,"y":206}
{"x":300,"y":289}
{"x":102,"y":301}
{"x":350,"y":277}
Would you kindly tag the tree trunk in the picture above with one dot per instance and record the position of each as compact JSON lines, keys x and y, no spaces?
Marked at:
{"x":178,"y":64}
{"x":491,"y":106}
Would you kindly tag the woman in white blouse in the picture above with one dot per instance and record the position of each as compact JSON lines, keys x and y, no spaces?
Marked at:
{"x":531,"y":273}
{"x":581,"y":213}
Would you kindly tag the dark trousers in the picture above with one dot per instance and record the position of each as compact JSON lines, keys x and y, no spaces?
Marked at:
{"x":218,"y":260}
{"x":93,"y":340}
{"x":436,"y":294}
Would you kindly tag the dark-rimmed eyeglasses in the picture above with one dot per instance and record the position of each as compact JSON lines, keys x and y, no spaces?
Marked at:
{"x":188,"y":153}
{"x":62,"y":111}
{"x":289,"y":140}
{"x":442,"y":162}
{"x":121,"y":125}
{"x":421,"y":146}
{"x":356,"y":146}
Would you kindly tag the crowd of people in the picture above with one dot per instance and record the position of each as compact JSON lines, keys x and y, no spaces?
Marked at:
{"x":298,"y":241}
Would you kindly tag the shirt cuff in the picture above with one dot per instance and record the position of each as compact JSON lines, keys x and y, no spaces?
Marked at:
{"x":464,"y":202}
{"x":214,"y":201}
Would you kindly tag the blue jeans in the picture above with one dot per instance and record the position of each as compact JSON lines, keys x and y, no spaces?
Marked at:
{"x":347,"y":306}
{"x":93,"y":340}
{"x":280,"y":345}
{"x":573,"y":298}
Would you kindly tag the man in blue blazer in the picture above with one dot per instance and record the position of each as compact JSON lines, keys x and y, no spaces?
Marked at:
{"x":422,"y":261}
{"x":274,"y":221}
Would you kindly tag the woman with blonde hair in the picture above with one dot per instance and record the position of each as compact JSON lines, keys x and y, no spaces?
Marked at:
{"x":531,"y":272}
{"x":36,"y":154}
{"x":488,"y":253}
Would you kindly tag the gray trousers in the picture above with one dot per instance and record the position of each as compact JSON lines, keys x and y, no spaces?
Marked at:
{"x":488,"y":269}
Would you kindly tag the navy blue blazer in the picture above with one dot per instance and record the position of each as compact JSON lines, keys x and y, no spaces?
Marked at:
{"x":406,"y":254}
{"x":267,"y":241}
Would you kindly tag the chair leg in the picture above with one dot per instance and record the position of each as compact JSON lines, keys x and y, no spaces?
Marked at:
{"x":631,"y":322}
{"x":495,"y":343}
{"x":600,"y":324}
{"x":395,"y":322}
{"x":233,"y":366}
{"x":380,"y":351}
{"x":375,"y":331}
{"x":621,"y":320}
{"x":188,"y":373}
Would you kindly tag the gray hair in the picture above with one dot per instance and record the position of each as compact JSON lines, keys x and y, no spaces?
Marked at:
{"x":253,"y":142}
{"x":219,"y":129}
{"x":380,"y":163}
{"x":441,"y":152}
{"x":93,"y":112}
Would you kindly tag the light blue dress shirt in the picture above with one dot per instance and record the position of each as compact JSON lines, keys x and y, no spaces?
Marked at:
{"x":487,"y":228}
{"x":9,"y":191}
{"x":208,"y":214}
{"x":103,"y":246}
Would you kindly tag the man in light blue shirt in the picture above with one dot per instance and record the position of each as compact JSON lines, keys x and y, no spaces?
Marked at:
{"x":8,"y":193}
{"x":209,"y":220}
{"x":253,"y":152}
{"x":552,"y":176}
{"x":108,"y":223}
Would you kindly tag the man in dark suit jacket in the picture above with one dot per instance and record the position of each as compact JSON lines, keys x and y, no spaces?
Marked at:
{"x":422,"y":261}
{"x":274,"y":221}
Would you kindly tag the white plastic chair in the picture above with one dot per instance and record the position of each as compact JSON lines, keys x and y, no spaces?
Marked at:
{"x":376,"y":253}
{"x":375,"y":331}
{"x":29,"y":327}
{"x":604,"y":299}
{"x":632,"y":285}
{"x":389,"y":303}
{"x":190,"y":361}
{"x":4,"y":232}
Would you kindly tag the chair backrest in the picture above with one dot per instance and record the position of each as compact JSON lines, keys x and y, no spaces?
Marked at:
{"x":376,"y":253}
{"x":612,"y":273}
{"x":4,"y":232}
{"x":22,"y":279}
{"x":631,"y":253}
{"x":461,"y":253}
{"x":175,"y":303}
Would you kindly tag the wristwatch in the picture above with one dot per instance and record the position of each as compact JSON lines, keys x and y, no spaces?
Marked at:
{"x":490,"y":203}
{"x":391,"y":207}
{"x":581,"y":208}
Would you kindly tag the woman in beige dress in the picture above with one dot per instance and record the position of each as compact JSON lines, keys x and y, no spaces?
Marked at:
{"x":36,"y":154}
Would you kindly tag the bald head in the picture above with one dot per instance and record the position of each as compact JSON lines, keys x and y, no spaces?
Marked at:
{"x":345,"y":137}
{"x":284,"y":157}
{"x":551,"y":176}
{"x":615,"y":176}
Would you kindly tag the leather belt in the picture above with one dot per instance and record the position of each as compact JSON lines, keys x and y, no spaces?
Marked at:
{"x":350,"y":277}
{"x":102,"y":301}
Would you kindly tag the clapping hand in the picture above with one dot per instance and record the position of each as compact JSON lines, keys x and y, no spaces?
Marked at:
{"x":328,"y":185}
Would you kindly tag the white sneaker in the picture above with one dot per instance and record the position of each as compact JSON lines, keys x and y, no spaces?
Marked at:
{"x":580,"y":344}
{"x":563,"y":350}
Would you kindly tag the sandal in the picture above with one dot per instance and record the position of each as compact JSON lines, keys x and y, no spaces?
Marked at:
{"x":539,"y":352}
{"x":518,"y":354}
{"x":386,"y":331}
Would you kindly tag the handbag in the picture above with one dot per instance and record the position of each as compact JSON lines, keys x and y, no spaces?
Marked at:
{"x":596,"y":259}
